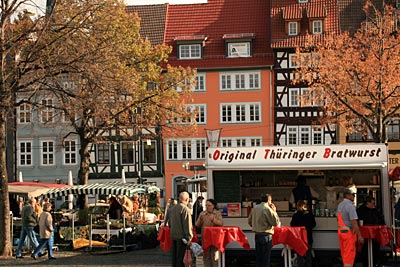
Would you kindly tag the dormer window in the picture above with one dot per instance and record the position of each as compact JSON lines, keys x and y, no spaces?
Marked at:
{"x":239,"y":49}
{"x":190,"y":47}
{"x":238,"y":44}
{"x":303,"y":1}
{"x":190,"y":51}
{"x":293,"y":28}
{"x":317,"y":27}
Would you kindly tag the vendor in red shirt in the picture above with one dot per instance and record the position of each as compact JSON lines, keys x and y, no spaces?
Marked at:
{"x":210,"y":217}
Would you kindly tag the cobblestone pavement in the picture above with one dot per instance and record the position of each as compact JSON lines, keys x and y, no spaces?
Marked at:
{"x":143,"y":258}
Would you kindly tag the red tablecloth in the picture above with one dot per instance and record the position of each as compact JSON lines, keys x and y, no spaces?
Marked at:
{"x":295,"y":237}
{"x":380,"y":233}
{"x":219,"y":237}
{"x":164,"y":236}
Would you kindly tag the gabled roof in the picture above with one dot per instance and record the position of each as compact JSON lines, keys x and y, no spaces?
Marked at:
{"x":216,"y":19}
{"x":290,"y":10}
{"x":152,"y":21}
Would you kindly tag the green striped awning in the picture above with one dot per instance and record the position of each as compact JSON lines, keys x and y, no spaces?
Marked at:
{"x":110,"y":188}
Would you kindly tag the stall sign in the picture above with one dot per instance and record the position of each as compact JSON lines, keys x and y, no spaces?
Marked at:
{"x":327,"y":155}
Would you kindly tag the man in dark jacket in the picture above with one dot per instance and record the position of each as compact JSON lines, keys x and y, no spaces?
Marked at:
{"x":370,"y":215}
{"x":29,"y":221}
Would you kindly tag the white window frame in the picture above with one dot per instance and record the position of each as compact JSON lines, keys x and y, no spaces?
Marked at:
{"x":317,"y":27}
{"x":189,"y":51}
{"x":25,"y":113}
{"x":239,"y":49}
{"x":243,"y":141}
{"x":70,"y":151}
{"x":293,"y":28}
{"x":47,"y":152}
{"x":231,"y":81}
{"x":47,"y":113}
{"x":294,"y":97}
{"x":292,"y":135}
{"x":317,"y":135}
{"x":25,"y":153}
{"x":186,"y":149}
{"x":200,"y":83}
{"x":292,"y":62}
{"x":247,"y":112}
{"x":305,"y":135}
{"x":303,"y":1}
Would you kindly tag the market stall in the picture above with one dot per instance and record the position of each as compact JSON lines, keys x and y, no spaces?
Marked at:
{"x":136,"y":230}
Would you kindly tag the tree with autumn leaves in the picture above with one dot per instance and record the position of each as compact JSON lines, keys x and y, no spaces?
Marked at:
{"x":102,"y":77}
{"x":356,"y":78}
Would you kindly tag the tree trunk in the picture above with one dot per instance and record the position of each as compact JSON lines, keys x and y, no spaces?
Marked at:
{"x":5,"y":229}
{"x":83,"y":174}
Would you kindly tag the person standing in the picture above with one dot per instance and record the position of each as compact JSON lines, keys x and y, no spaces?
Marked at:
{"x":180,"y":222}
{"x":207,"y":218}
{"x":370,"y":215}
{"x":303,"y":217}
{"x":29,"y":221}
{"x":171,"y":203}
{"x":197,"y":209}
{"x":46,"y":233}
{"x":348,"y":230}
{"x":262,"y":220}
{"x":302,"y":191}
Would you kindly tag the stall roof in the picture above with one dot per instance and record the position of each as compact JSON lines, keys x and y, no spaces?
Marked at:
{"x":110,"y":188}
{"x":32,"y":189}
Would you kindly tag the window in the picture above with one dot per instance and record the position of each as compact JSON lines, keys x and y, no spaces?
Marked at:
{"x":149,"y":151}
{"x":317,"y":135}
{"x":317,"y":26}
{"x":190,"y":51}
{"x":25,"y":153}
{"x":200,"y":113}
{"x":305,"y":135}
{"x":47,"y":111}
{"x":127,"y":153}
{"x":292,"y":61}
{"x":240,"y":112}
{"x":25,"y":113}
{"x":240,"y":141}
{"x":239,"y":49}
{"x":292,"y":135}
{"x":293,"y":97}
{"x":200,"y":83}
{"x":240,"y":81}
{"x":70,"y":152}
{"x":393,"y":130}
{"x":103,"y":154}
{"x":186,"y":149}
{"x":293,"y":28}
{"x":47,"y":158}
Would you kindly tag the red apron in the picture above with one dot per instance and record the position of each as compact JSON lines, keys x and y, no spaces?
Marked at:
{"x":347,"y":242}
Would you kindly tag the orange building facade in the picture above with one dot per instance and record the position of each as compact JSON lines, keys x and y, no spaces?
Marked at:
{"x":228,"y":43}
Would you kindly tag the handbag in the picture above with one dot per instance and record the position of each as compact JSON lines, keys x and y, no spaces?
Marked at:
{"x":187,"y":259}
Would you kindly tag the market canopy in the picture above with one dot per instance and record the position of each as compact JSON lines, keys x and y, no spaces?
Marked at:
{"x":32,"y":189}
{"x":110,"y":188}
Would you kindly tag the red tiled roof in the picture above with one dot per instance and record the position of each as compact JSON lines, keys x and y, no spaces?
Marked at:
{"x":292,"y":13}
{"x":216,"y":19}
{"x":324,"y":9}
{"x":152,"y":21}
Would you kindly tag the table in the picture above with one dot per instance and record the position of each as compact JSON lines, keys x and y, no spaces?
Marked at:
{"x":164,"y":236}
{"x":379,"y":233}
{"x":220,"y":236}
{"x":292,"y":238}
